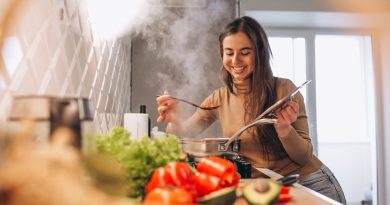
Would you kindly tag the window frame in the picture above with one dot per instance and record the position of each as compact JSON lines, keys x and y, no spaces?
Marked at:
{"x":309,"y":34}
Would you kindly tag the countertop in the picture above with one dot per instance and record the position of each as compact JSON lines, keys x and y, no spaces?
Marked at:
{"x":301,"y":195}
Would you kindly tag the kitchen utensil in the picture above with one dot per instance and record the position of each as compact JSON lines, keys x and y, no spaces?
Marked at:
{"x":288,"y":180}
{"x":234,"y":137}
{"x":203,"y":107}
{"x":203,"y":147}
{"x":281,"y":102}
{"x":259,"y":120}
{"x":198,"y":149}
{"x":224,"y":146}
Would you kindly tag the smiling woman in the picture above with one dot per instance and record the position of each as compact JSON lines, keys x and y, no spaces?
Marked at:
{"x":250,"y":88}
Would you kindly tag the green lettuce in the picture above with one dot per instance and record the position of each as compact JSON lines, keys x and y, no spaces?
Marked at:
{"x":139,"y":158}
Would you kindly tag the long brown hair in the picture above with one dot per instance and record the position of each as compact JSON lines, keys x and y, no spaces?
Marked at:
{"x":262,"y":82}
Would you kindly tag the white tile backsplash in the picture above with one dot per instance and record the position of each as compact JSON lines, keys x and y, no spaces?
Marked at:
{"x":62,"y":57}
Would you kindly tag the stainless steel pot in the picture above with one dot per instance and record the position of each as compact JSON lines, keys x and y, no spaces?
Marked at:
{"x":203,"y":147}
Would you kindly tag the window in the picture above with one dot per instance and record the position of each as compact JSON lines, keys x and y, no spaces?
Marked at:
{"x":289,"y":59}
{"x":339,"y":101}
{"x":341,"y":85}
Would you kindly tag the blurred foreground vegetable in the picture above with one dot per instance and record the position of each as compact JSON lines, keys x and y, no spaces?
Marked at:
{"x":32,"y":173}
{"x":213,"y":174}
{"x":174,"y":174}
{"x":169,"y":196}
{"x":139,"y":158}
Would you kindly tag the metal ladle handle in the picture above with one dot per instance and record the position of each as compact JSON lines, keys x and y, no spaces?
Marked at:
{"x":224,"y":147}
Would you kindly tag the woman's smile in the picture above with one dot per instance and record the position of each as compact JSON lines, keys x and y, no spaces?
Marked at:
{"x":238,"y":56}
{"x":239,"y":69}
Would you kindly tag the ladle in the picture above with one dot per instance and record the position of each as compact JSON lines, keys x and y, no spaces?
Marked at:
{"x":203,"y":107}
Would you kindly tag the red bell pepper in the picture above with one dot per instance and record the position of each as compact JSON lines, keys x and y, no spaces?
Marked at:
{"x":182,"y":176}
{"x":177,"y":174}
{"x":206,"y":183}
{"x":285,"y":190}
{"x":169,"y":196}
{"x":284,"y":198}
{"x":180,"y":172}
{"x":213,"y":174}
{"x":160,"y":178}
{"x":219,"y":167}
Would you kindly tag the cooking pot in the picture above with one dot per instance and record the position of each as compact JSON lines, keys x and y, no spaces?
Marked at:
{"x":226,"y":147}
{"x":203,"y":147}
{"x":198,"y":149}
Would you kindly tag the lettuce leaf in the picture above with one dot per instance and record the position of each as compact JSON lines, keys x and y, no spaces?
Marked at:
{"x":139,"y":158}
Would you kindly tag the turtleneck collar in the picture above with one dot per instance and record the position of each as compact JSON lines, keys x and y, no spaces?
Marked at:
{"x":242,"y":86}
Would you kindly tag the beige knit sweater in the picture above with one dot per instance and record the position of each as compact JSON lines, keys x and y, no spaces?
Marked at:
{"x":231,"y":114}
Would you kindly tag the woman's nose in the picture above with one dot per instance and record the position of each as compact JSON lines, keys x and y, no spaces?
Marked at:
{"x":236,"y":59}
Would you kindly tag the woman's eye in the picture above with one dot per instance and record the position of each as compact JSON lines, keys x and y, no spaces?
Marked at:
{"x":245,"y":53}
{"x":229,"y":54}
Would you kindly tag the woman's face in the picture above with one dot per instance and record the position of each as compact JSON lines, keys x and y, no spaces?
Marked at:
{"x":238,"y":55}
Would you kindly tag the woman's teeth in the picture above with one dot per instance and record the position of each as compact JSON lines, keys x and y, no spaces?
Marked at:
{"x":238,"y":69}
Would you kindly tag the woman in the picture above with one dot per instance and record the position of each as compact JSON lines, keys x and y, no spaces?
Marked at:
{"x":284,"y":147}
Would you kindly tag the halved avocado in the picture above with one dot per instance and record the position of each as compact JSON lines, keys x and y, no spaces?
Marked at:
{"x":256,"y":197}
{"x":225,"y":196}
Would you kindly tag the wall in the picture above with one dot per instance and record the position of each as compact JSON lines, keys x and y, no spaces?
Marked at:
{"x":61,"y":56}
{"x":383,"y":142}
{"x":180,"y":54}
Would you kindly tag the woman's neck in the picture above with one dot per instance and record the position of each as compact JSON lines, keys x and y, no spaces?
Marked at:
{"x":242,"y":86}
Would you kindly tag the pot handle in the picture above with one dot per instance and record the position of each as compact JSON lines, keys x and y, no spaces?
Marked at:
{"x":224,"y":147}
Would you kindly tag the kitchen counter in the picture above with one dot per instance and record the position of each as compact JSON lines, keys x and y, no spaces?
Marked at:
{"x":301,"y":195}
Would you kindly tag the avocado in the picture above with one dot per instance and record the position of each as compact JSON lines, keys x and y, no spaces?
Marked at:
{"x":225,"y":196}
{"x":261,"y":196}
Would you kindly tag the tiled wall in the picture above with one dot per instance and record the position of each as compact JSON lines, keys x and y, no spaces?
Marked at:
{"x":50,"y":49}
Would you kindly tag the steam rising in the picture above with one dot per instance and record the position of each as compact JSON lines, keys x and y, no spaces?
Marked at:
{"x":187,"y":37}
{"x":182,"y":39}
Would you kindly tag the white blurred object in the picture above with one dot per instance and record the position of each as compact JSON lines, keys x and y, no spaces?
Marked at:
{"x":115,"y":18}
{"x":155,"y":133}
{"x":136,"y":124}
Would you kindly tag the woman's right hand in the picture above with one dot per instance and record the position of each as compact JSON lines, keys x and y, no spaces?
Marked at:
{"x":167,"y":108}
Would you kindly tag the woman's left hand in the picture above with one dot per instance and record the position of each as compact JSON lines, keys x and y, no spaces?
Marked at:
{"x":286,"y":115}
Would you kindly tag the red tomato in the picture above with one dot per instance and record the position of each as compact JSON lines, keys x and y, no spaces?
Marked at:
{"x":160,"y":178}
{"x":206,"y":183}
{"x":168,"y":196}
{"x":219,"y":167}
